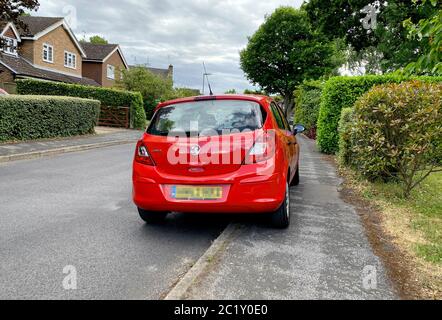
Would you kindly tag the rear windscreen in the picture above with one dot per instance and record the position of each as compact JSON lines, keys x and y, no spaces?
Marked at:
{"x":207,"y":117}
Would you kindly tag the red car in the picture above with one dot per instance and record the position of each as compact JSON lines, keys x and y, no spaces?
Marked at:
{"x":217,"y":154}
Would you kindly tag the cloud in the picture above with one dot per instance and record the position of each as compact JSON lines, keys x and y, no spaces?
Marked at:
{"x":181,"y":32}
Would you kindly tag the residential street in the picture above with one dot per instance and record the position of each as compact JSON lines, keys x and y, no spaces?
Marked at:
{"x":75,"y":209}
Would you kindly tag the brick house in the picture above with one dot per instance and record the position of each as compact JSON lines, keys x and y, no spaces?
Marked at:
{"x":104,"y":63}
{"x":46,"y":49}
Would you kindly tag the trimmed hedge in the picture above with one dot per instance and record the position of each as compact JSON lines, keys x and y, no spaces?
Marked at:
{"x":343,"y":92}
{"x":345,"y":124}
{"x":31,"y":117}
{"x":308,"y":100}
{"x":107,"y":97}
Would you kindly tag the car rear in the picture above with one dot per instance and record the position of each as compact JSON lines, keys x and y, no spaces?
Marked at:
{"x":210,"y":155}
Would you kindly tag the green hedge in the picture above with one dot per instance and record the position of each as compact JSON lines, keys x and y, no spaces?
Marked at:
{"x":396,"y":132}
{"x":107,"y":97}
{"x":343,"y":92}
{"x":31,"y":117}
{"x":345,"y":124}
{"x":308,"y":100}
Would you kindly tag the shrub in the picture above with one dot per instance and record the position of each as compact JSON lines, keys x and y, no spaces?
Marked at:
{"x":107,"y":97}
{"x":397,"y":132}
{"x":31,"y":117}
{"x":342,"y":92}
{"x":153,"y":88}
{"x":308,"y":99}
{"x":345,"y":145}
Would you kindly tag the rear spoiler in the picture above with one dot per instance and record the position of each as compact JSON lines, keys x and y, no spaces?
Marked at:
{"x":205,"y":98}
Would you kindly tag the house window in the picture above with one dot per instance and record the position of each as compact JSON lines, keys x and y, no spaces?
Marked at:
{"x":110,"y":72}
{"x":10,"y":46}
{"x":70,"y":60}
{"x":48,"y":53}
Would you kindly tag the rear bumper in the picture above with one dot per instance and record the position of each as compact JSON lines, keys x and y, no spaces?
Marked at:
{"x":246,"y":193}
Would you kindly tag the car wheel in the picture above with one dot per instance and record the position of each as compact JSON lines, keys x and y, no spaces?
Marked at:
{"x":281,"y":218}
{"x":295,"y":181}
{"x":152,"y":217}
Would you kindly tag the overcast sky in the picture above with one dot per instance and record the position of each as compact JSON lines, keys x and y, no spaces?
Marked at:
{"x":181,"y":32}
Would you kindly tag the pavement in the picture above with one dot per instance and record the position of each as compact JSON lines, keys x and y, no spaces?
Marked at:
{"x":34,"y":149}
{"x":323,"y":255}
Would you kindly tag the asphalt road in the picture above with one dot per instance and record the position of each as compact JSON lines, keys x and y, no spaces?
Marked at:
{"x":76,"y":210}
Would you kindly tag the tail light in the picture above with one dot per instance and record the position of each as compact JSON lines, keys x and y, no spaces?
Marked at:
{"x":262,"y":150}
{"x":142,"y":155}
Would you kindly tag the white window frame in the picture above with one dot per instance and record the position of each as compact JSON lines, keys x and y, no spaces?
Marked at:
{"x":47,"y":48}
{"x":110,"y":68}
{"x":72,"y":64}
{"x":8,"y":42}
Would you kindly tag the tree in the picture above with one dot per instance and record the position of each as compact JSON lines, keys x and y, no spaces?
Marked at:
{"x":428,"y":31}
{"x":12,"y":10}
{"x":152,"y":87}
{"x":185,"y":92}
{"x":98,"y":40}
{"x":284,"y":52}
{"x":386,"y":40}
{"x":231,"y":91}
{"x":258,"y":92}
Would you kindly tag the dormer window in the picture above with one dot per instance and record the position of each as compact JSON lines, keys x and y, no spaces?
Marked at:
{"x":10,"y":46}
{"x":48,"y":53}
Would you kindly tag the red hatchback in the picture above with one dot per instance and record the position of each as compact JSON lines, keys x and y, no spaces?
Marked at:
{"x":217,"y":154}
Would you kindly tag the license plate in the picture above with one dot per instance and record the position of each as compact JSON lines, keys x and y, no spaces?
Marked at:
{"x":197,"y":193}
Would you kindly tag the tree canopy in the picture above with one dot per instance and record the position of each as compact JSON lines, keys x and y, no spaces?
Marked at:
{"x":386,"y":39}
{"x":284,"y":52}
{"x":12,"y":10}
{"x":429,"y":33}
{"x":98,"y":40}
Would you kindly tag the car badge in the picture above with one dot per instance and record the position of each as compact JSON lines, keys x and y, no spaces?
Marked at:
{"x":195,"y":150}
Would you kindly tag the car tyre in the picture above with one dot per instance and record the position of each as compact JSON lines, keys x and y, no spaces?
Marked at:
{"x":152,"y":217}
{"x":281,"y":218}
{"x":295,"y":181}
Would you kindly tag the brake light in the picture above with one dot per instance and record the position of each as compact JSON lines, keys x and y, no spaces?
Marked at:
{"x":262,"y":150}
{"x":142,"y":155}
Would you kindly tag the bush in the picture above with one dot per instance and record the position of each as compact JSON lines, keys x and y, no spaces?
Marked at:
{"x":397,"y":131}
{"x":345,"y":124}
{"x":31,"y":117}
{"x":342,"y":92}
{"x":308,"y":99}
{"x":153,"y":88}
{"x":107,"y":97}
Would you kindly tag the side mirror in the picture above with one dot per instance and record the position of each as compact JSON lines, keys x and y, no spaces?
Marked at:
{"x":298,"y":129}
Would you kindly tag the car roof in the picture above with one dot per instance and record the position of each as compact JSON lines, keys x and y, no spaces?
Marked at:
{"x":244,"y":97}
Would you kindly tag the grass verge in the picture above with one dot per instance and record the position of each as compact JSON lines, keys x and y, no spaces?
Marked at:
{"x":414,"y":225}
